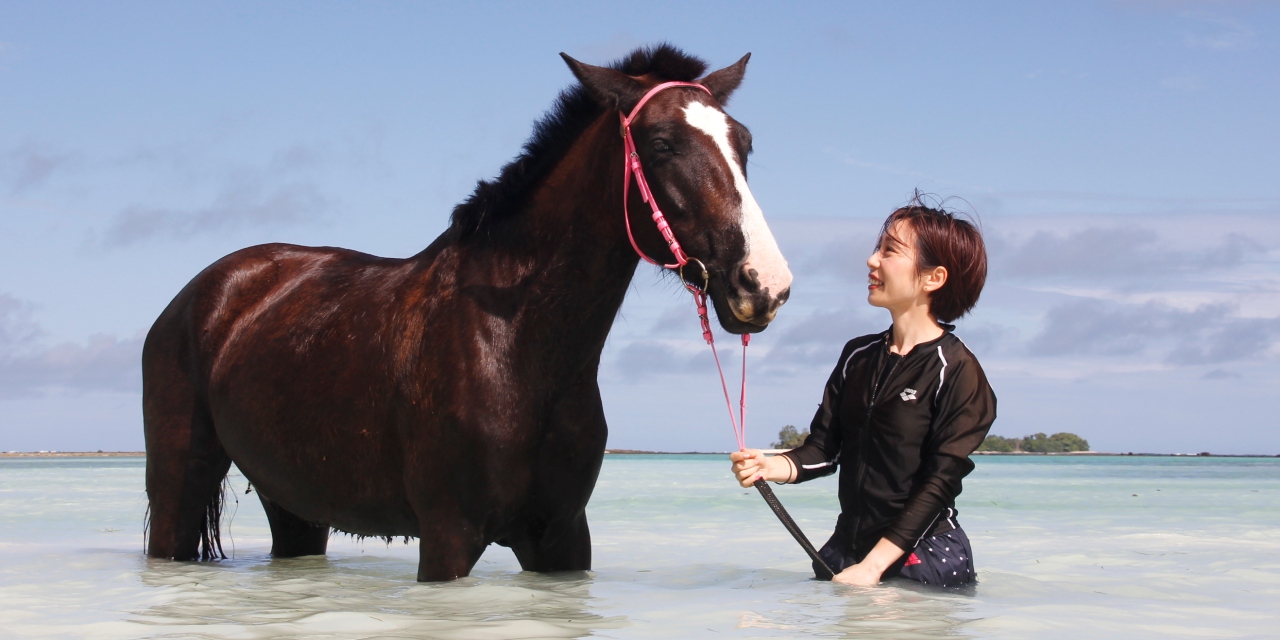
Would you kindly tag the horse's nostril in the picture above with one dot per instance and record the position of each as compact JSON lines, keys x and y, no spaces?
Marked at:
{"x":782,"y":297}
{"x":750,"y":280}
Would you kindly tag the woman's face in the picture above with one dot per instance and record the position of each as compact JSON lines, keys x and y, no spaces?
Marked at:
{"x":894,"y":283}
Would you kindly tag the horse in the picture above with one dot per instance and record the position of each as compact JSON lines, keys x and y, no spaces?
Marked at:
{"x":452,"y":396}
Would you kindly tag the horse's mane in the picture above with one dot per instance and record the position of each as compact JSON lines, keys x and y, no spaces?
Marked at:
{"x":553,"y":134}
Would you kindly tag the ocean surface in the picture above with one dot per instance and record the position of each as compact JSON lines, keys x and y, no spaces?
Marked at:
{"x":1107,"y":547}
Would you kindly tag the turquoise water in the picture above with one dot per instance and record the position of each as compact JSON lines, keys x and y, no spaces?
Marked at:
{"x":1113,"y":547}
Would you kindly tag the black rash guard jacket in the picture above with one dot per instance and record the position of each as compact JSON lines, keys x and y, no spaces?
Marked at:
{"x":901,"y":428}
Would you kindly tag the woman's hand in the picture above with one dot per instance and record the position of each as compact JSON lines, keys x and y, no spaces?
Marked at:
{"x":867,"y":573}
{"x":751,"y":464}
{"x":859,"y":575}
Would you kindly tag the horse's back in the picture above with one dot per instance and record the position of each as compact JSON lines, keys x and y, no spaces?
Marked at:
{"x":283,"y":347}
{"x":303,"y":288}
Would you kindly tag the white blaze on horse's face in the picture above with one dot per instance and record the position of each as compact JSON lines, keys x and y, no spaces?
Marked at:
{"x":763,"y":254}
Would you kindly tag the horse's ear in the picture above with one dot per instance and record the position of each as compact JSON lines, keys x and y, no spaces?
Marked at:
{"x":611,"y":88}
{"x":723,"y":82}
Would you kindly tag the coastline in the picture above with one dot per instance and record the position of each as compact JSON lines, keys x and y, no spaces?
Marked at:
{"x":634,"y":452}
{"x":641,"y":452}
{"x":73,"y":454}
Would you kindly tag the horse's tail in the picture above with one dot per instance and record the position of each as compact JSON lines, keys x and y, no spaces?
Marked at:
{"x":211,"y":527}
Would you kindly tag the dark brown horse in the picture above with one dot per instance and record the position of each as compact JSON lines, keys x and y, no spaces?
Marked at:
{"x":451,"y":396}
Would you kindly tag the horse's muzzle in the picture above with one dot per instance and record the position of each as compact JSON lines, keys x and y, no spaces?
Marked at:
{"x":744,"y":306}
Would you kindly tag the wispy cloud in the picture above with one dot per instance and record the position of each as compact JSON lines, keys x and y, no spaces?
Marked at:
{"x":1220,"y":34}
{"x":645,"y":358}
{"x":30,"y":165}
{"x":1118,"y":253}
{"x":17,"y":329}
{"x":1211,"y":334}
{"x":1140,"y":294}
{"x":240,"y":204}
{"x":102,"y":363}
{"x":817,"y":340}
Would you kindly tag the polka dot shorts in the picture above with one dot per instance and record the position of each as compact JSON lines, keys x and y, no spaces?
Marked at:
{"x":944,"y":560}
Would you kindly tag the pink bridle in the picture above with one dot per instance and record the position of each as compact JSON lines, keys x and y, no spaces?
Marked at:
{"x":631,"y":167}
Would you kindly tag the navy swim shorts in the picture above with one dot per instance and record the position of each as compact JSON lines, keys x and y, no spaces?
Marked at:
{"x":945,"y":560}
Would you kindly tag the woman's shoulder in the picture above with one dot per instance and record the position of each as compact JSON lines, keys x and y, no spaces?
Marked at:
{"x":954,"y":348}
{"x":959,"y":359}
{"x":861,"y":343}
{"x":860,"y":347}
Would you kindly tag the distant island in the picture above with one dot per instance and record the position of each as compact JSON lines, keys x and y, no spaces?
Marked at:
{"x":1061,"y":442}
{"x":789,"y":438}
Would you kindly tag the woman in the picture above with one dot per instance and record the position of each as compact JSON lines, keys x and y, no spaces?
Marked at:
{"x":902,"y":411}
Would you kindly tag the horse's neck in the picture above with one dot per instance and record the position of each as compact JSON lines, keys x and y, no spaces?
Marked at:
{"x":568,"y":254}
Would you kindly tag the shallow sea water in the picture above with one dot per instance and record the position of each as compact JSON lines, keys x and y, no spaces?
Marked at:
{"x":1114,"y":547}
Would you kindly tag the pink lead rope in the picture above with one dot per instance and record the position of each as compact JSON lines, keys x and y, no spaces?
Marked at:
{"x":631,"y":167}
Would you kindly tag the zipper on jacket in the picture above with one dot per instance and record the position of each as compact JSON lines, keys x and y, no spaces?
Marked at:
{"x":862,"y":466}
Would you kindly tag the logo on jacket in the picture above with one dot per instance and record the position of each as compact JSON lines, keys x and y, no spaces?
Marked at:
{"x":909,"y":394}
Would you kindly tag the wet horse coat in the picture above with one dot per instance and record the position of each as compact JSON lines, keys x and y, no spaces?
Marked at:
{"x":450,"y":396}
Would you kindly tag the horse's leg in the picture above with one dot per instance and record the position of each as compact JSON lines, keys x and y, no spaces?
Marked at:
{"x":185,"y":461}
{"x":292,"y":536}
{"x":556,"y":536}
{"x":560,"y":546}
{"x":448,"y":547}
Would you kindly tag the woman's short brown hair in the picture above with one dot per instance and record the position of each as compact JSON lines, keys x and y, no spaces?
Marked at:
{"x":945,"y":240}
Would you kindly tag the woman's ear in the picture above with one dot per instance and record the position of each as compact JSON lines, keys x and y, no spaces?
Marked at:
{"x":935,"y":278}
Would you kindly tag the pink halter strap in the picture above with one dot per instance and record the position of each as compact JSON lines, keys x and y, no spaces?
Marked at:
{"x":631,"y":167}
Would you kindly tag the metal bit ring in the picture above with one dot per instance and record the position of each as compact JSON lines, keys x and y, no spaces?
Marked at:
{"x":706,"y":277}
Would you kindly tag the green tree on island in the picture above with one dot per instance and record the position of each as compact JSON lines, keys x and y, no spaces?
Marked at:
{"x":789,"y":438}
{"x":998,"y":444}
{"x":1062,"y":442}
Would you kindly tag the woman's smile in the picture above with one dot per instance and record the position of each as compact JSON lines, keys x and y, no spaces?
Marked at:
{"x":893,"y":280}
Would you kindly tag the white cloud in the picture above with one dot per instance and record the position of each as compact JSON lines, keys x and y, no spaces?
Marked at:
{"x":1092,"y":293}
{"x":1206,"y":335}
{"x":27,"y":368}
{"x":1116,"y":253}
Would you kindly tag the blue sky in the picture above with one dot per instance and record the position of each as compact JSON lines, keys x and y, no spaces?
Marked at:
{"x":1121,"y":157}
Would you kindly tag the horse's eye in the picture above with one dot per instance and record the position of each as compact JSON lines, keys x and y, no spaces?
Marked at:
{"x":662,"y":146}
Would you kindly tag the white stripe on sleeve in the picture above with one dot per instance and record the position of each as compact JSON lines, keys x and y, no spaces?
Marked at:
{"x":942,"y":375}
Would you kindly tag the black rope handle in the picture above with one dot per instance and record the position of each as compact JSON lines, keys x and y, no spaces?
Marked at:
{"x":824,"y":572}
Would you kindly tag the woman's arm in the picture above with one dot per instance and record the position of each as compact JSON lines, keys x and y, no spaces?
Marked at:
{"x":867,"y":573}
{"x":965,"y":410}
{"x":821,"y":450}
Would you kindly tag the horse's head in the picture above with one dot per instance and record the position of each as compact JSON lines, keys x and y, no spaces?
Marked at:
{"x":694,"y":157}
